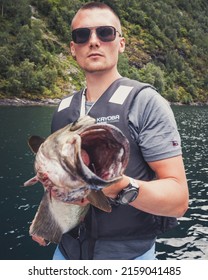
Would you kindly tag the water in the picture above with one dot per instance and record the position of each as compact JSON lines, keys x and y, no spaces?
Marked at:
{"x":18,"y":205}
{"x":189,"y":241}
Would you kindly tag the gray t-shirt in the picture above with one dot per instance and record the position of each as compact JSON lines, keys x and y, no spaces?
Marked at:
{"x":154,"y":127}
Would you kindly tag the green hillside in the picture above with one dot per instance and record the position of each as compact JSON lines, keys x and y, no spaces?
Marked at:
{"x":167,"y":46}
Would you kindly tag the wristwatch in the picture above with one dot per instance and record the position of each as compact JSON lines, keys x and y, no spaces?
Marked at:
{"x":128,"y":194}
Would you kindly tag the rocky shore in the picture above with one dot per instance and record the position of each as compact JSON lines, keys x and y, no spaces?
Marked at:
{"x":53,"y":102}
{"x":25,"y":102}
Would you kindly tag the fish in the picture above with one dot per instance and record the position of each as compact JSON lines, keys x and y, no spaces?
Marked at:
{"x":74,"y":163}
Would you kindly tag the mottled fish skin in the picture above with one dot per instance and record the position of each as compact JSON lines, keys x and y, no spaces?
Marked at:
{"x":54,"y":218}
{"x":75,"y":162}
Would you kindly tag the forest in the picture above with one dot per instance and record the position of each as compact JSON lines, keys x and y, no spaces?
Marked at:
{"x":166,"y":46}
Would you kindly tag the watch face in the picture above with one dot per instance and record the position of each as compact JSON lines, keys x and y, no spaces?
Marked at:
{"x":129,"y":196}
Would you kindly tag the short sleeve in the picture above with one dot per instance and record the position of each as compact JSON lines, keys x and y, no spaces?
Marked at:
{"x":153,"y":126}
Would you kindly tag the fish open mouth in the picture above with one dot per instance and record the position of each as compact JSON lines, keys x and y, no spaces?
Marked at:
{"x":107,"y":151}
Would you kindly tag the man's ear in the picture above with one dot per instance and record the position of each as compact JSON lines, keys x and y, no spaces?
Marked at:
{"x":72,"y":49}
{"x":122,"y":45}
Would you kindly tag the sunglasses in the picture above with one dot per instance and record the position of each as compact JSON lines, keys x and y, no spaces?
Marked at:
{"x":104,"y":33}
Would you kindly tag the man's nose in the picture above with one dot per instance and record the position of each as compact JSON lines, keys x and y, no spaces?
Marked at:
{"x":94,"y":38}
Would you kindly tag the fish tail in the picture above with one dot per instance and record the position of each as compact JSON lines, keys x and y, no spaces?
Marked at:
{"x":44,"y":224}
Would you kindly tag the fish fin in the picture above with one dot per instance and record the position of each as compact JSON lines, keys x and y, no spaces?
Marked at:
{"x":99,"y":200}
{"x":34,"y":143}
{"x":31,"y":182}
{"x":44,"y":224}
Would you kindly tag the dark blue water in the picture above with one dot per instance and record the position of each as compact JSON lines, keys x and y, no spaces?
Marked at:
{"x":18,"y":204}
{"x":190,"y":240}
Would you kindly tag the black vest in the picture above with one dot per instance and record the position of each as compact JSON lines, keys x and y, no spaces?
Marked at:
{"x":124,"y":222}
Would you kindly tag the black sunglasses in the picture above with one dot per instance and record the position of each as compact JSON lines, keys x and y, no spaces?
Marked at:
{"x":104,"y":33}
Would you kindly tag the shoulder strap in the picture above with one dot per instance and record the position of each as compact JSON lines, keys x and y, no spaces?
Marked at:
{"x":67,"y":112}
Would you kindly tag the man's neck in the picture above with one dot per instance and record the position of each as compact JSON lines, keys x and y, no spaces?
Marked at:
{"x":97,"y":83}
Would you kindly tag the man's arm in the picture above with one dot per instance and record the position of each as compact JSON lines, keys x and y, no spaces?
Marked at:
{"x":166,"y":196}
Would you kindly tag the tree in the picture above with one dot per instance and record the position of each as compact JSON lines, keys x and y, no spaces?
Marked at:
{"x":28,"y":45}
{"x":154,"y":75}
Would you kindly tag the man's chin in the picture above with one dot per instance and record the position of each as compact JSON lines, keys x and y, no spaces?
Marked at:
{"x":96,"y":69}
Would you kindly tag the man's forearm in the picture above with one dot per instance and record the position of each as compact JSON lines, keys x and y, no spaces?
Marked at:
{"x":164,"y":197}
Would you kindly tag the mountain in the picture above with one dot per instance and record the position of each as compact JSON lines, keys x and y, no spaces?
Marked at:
{"x":167,"y":46}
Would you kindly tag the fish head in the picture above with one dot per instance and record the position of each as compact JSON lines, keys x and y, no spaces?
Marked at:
{"x":102,"y":155}
{"x":81,"y":157}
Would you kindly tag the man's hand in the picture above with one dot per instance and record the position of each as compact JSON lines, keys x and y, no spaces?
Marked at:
{"x":113,"y":190}
{"x":40,"y":240}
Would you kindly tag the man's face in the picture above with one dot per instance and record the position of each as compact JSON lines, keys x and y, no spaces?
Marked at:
{"x":95,"y":55}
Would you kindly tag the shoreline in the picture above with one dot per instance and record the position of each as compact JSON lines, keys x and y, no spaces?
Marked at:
{"x":15,"y":101}
{"x":26,"y":102}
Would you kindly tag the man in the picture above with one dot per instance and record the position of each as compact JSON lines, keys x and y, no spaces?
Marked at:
{"x":155,"y":173}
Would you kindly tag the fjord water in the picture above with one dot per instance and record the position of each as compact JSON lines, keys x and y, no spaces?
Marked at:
{"x":18,"y":205}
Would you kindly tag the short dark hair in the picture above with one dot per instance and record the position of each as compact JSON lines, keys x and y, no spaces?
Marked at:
{"x":98,"y":5}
